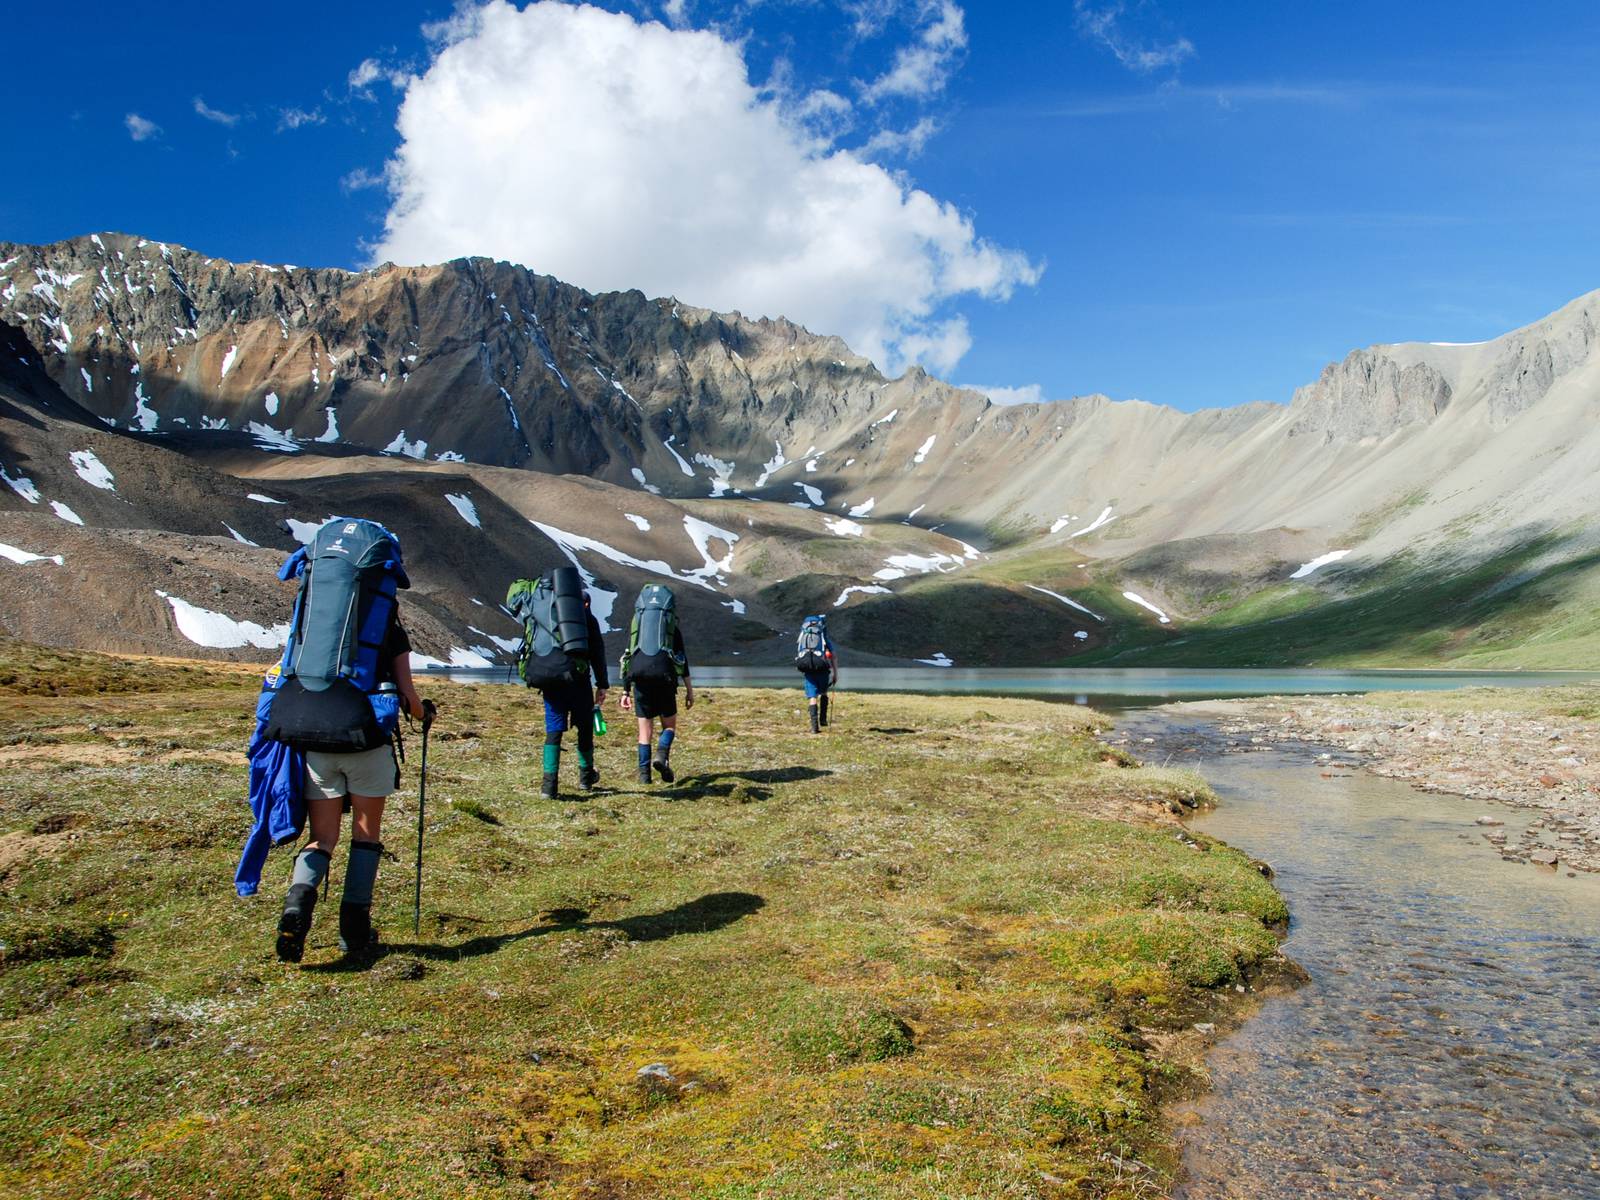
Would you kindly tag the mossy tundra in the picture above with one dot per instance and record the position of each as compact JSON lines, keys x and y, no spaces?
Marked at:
{"x":952,"y":948}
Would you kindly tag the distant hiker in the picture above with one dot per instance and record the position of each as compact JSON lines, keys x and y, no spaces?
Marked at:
{"x":818,"y":665}
{"x":334,"y":700}
{"x":562,"y":650}
{"x":652,"y":665}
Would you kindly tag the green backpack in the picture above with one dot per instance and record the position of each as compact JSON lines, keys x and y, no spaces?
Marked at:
{"x":651,"y":636}
{"x":555,"y":628}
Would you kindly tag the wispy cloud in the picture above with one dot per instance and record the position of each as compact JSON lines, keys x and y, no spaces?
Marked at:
{"x":141,"y":129}
{"x":360,"y":180}
{"x":369,"y":71}
{"x":1103,"y":23}
{"x":295,"y":118}
{"x":203,"y":109}
{"x":893,"y":143}
{"x":922,"y":68}
{"x":1326,"y":94}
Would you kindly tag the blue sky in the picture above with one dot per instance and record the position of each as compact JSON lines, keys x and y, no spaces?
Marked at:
{"x":1202,"y":204}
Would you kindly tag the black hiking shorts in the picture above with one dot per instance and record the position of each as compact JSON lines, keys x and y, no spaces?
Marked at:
{"x":655,"y":699}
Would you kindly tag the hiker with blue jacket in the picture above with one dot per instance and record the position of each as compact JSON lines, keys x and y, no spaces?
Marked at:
{"x":652,"y":666}
{"x":818,"y":666}
{"x":326,"y":726}
{"x":564,"y":656}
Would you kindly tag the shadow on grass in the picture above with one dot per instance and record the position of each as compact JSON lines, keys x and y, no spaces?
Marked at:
{"x":703,"y":915}
{"x":751,"y":785}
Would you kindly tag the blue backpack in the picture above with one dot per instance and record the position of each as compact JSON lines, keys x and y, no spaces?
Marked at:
{"x":325,"y":690}
{"x":811,"y":646}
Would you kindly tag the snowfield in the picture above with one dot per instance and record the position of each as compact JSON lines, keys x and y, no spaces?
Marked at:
{"x":1103,"y":519}
{"x":1143,"y":603}
{"x":1322,"y":560}
{"x":639,"y":523}
{"x":864,"y":589}
{"x":465,"y":508}
{"x":217,"y":631}
{"x":92,"y":471}
{"x":1067,"y":600}
{"x":23,"y":557}
{"x":843,"y":527}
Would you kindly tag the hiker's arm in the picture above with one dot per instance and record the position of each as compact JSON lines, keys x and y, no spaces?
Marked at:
{"x":597,"y":658}
{"x":682,"y":656}
{"x":406,"y":685}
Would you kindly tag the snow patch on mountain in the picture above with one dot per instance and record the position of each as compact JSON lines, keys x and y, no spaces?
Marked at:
{"x":22,"y":486}
{"x":862,"y":589}
{"x":702,"y":533}
{"x":922,"y":450}
{"x":864,"y":508}
{"x":465,"y":508}
{"x":268,"y":438}
{"x":645,"y":483}
{"x":218,"y":631}
{"x":1143,"y":603}
{"x":65,"y":513}
{"x":23,"y":557}
{"x":841,"y":527}
{"x":722,"y":473}
{"x":1104,"y":518}
{"x":1067,"y":600}
{"x":1322,"y":560}
{"x":639,"y":523}
{"x":682,"y":465}
{"x":417,"y":449}
{"x":92,"y":471}
{"x":812,"y":494}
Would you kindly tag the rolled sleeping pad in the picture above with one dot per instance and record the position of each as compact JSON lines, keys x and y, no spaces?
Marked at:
{"x":572,"y":619}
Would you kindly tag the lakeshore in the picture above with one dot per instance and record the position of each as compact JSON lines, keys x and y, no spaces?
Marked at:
{"x":1534,"y":748}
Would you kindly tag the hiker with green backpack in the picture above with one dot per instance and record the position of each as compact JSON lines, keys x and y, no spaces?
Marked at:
{"x":562,"y":651}
{"x":652,"y":665}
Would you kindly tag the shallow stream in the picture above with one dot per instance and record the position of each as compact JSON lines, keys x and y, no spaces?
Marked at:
{"x":1448,"y":1044}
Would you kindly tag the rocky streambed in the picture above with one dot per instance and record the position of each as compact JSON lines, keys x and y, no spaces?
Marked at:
{"x":1537,"y":760}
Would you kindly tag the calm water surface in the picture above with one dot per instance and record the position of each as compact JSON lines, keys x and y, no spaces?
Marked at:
{"x":1104,"y":687}
{"x":1448,"y":1044}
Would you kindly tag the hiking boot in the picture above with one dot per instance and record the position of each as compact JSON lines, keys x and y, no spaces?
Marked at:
{"x":296,"y":922}
{"x":822,"y":711}
{"x":587,"y":778}
{"x":547,"y":788}
{"x":816,"y":719}
{"x":664,"y":769}
{"x":644,"y":774}
{"x":356,"y":934}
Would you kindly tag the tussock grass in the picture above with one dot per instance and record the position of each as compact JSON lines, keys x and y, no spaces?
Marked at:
{"x":951,"y":948}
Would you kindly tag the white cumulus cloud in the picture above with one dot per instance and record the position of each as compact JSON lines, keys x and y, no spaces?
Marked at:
{"x":615,"y":153}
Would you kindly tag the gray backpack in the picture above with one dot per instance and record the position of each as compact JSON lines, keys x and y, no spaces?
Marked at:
{"x":555,"y":628}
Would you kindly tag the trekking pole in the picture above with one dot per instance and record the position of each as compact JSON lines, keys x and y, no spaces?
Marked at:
{"x":422,"y":809}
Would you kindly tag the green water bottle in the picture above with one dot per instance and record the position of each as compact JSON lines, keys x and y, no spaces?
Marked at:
{"x":599,"y":720}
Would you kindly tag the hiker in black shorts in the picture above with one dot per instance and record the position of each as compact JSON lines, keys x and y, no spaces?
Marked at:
{"x":652,"y":665}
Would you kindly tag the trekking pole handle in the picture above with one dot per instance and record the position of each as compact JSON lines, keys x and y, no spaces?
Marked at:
{"x":430,"y":713}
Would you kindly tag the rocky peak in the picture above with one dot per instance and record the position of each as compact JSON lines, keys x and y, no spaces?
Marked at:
{"x":1368,"y":395}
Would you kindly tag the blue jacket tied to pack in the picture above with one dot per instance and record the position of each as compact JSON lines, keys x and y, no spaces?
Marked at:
{"x":325,"y":692}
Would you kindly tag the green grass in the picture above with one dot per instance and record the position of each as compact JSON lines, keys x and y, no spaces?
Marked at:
{"x":939,"y":951}
{"x":1513,"y":611}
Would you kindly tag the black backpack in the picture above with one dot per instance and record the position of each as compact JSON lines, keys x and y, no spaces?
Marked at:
{"x":651,"y":637}
{"x":811,"y":647}
{"x":555,"y":628}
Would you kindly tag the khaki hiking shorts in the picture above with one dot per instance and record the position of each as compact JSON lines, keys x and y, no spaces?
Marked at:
{"x":366,"y":773}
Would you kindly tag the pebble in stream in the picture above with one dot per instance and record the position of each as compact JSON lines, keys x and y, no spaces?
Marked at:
{"x":1449,"y":1042}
